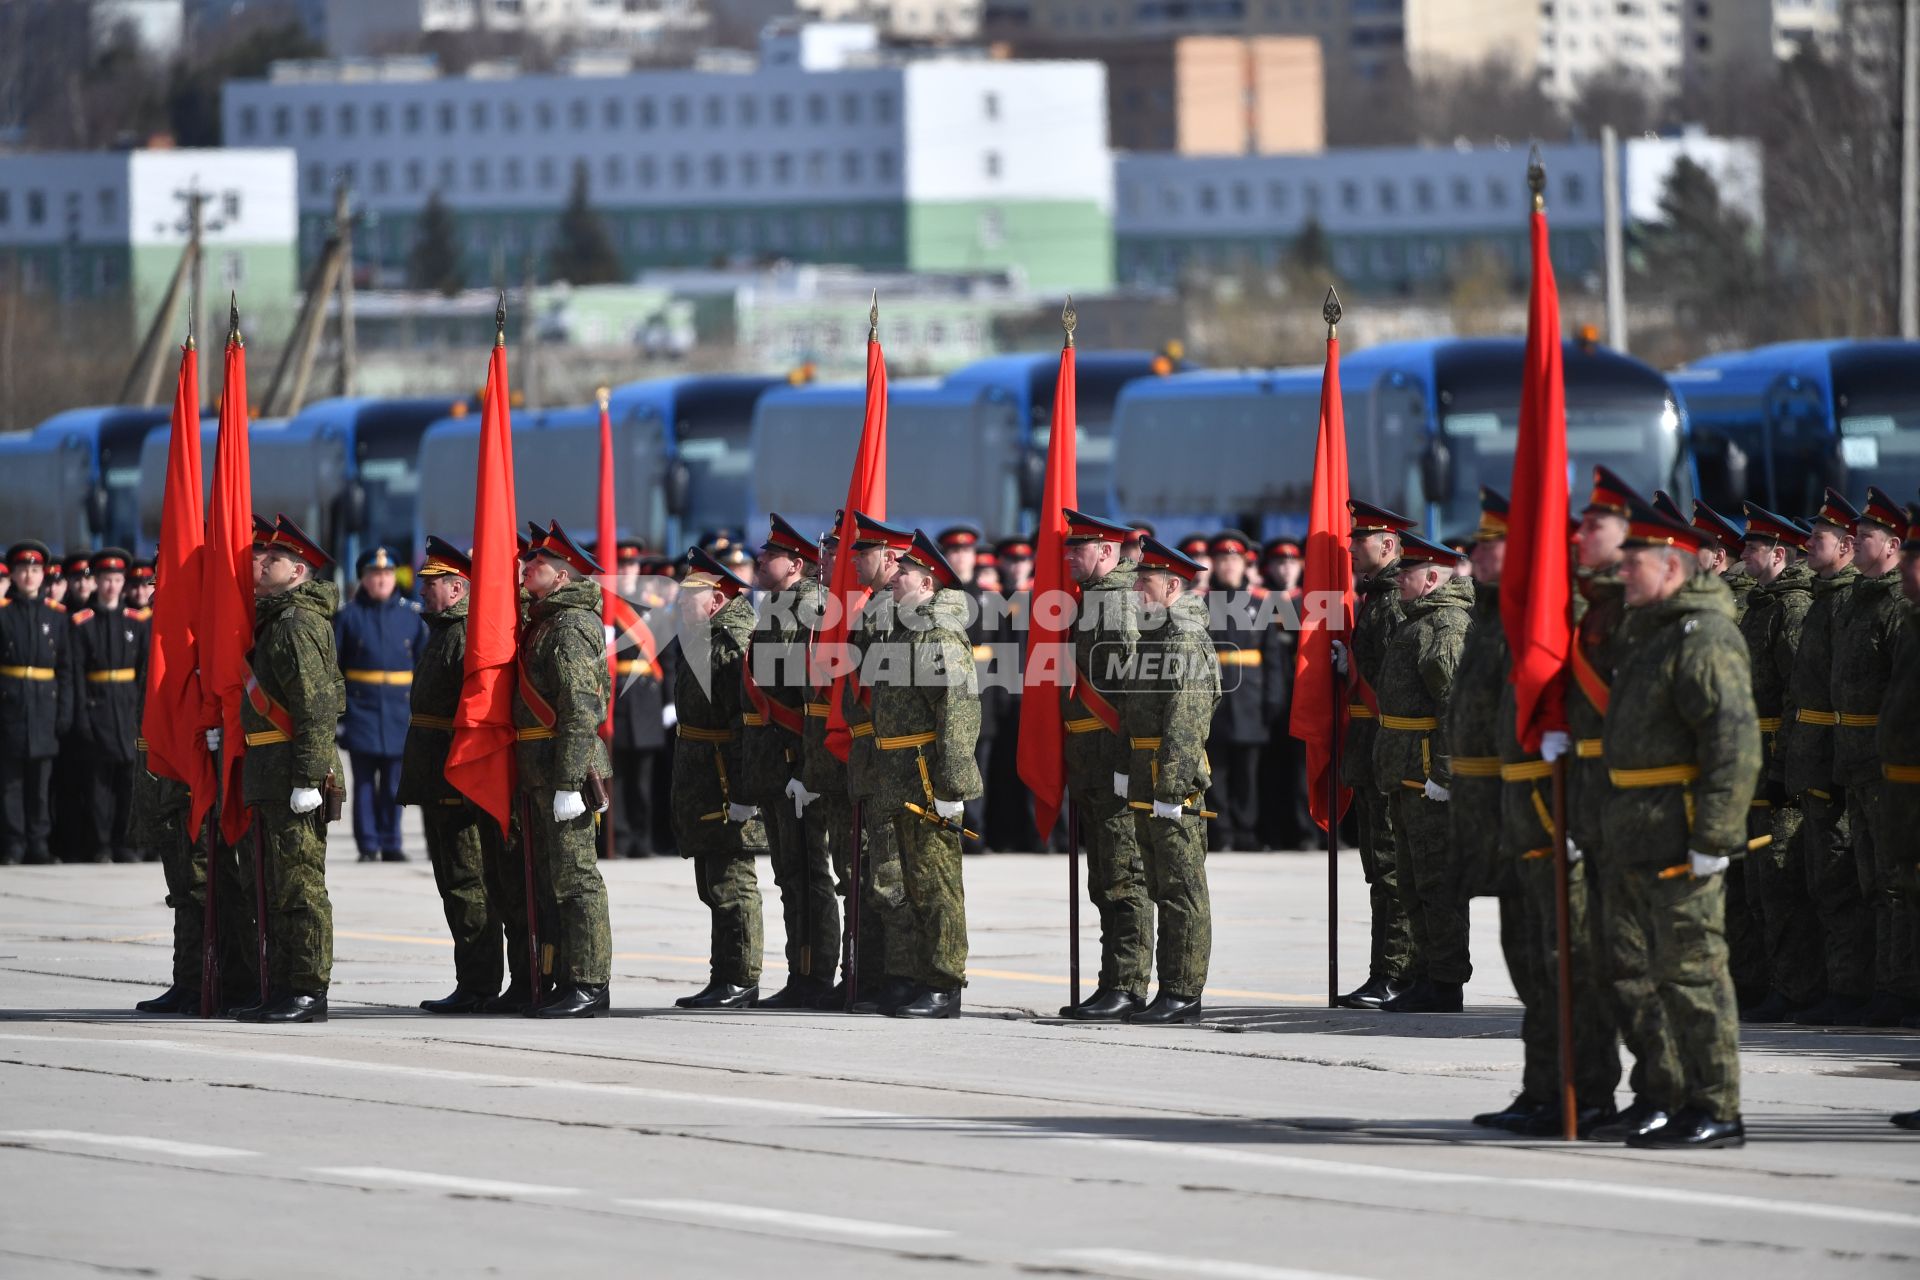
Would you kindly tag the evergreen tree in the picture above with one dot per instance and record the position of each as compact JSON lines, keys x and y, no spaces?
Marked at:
{"x":1701,"y":254}
{"x":434,"y":262}
{"x":584,"y":253}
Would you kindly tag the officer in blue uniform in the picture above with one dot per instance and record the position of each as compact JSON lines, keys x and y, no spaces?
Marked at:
{"x":378,"y":635}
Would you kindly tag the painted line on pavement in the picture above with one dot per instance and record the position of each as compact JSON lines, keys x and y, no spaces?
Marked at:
{"x":751,"y":1214}
{"x":1133,"y":1260}
{"x":127,"y":1142}
{"x":442,"y":1182}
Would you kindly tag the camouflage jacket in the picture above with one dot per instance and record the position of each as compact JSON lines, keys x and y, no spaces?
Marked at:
{"x":563,"y":667}
{"x":1771,"y":625}
{"x":1741,"y":583}
{"x":1682,"y":699}
{"x":1415,"y":683}
{"x":1899,"y":733}
{"x":872,"y":628}
{"x":293,"y":709}
{"x":1598,"y":607}
{"x":1170,"y":705}
{"x":776,"y":661}
{"x":1809,"y":751}
{"x":1377,"y":616}
{"x":708,"y":755}
{"x":1863,"y":634}
{"x":1471,"y":724}
{"x":431,"y":702}
{"x":926,"y":707}
{"x":1104,"y":637}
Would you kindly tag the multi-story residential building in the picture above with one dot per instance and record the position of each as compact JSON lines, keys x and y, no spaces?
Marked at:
{"x":1359,"y":37}
{"x":827,"y":151}
{"x":353,"y":27}
{"x":1671,"y":44}
{"x":903,"y":19}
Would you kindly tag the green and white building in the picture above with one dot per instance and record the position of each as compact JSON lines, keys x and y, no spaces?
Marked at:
{"x":824,"y":150}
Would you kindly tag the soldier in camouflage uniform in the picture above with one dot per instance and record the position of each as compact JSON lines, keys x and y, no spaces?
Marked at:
{"x":1410,"y":768}
{"x":560,"y":702}
{"x":1826,"y":834}
{"x":295,"y":697}
{"x":1720,"y":555}
{"x":775,"y":675}
{"x":1393,"y":964}
{"x":926,"y":723}
{"x":1899,"y":742}
{"x":1773,"y":879}
{"x":828,"y":815}
{"x":715,"y":825}
{"x":483,"y":897}
{"x":1104,"y":637}
{"x":1169,"y":707}
{"x":1683,"y":756}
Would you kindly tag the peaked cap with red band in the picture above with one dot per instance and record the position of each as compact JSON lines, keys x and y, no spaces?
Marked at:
{"x":1157,"y":557}
{"x":923,"y":554}
{"x":1416,"y":551}
{"x":1663,"y":503}
{"x":1494,"y":508}
{"x":1881,"y":509}
{"x":831,"y":538}
{"x":1230,"y":542}
{"x":143,"y":571}
{"x":557,"y":545}
{"x":1764,"y":526}
{"x":1647,"y":526}
{"x":111,"y":560}
{"x":262,"y":531}
{"x":1910,"y":540}
{"x":1368,"y":518}
{"x":444,"y":558}
{"x":958,"y":537}
{"x":1611,"y":495}
{"x":1279,"y":547}
{"x":1836,"y":511}
{"x":868,"y":532}
{"x":786,"y":540}
{"x":1082,"y":527}
{"x":1723,"y":531}
{"x":1015,"y":548}
{"x":1194,"y":544}
{"x":291,"y":538}
{"x":702,"y":572}
{"x":628,"y":550}
{"x":79,"y":565}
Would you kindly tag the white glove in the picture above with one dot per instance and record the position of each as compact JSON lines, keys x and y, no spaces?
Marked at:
{"x":950,"y":809}
{"x":213,"y":740}
{"x":800,"y":795}
{"x":568,"y":805}
{"x":1339,"y":656}
{"x":303,"y":800}
{"x":1705,"y":864}
{"x":669,"y":716}
{"x":741,"y":812}
{"x":1120,"y":785}
{"x":1574,"y":854}
{"x":1167,"y":809}
{"x":1554,"y":744}
{"x":1435,"y":792}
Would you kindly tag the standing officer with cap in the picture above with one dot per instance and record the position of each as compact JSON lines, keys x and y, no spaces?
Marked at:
{"x":1375,"y":551}
{"x":294,"y":701}
{"x":379,"y":635}
{"x":640,"y":703}
{"x":1253,"y":694}
{"x":960,"y":544}
{"x":1169,"y":711}
{"x":926,"y":717}
{"x":1899,"y":742}
{"x":1683,"y":756}
{"x":140,"y":585}
{"x":109,"y":683}
{"x":36,"y":704}
{"x":1720,"y":554}
{"x":774,"y":676}
{"x":482,"y":897}
{"x":1772,"y":882}
{"x":559,"y":704}
{"x":71,"y":839}
{"x":714,"y":821}
{"x":828,"y":815}
{"x":1286,"y":820}
{"x":1104,"y":637}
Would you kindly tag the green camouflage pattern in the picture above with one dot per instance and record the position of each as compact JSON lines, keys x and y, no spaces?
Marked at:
{"x":1809,"y":747}
{"x":454,"y":849}
{"x":1471,"y":730}
{"x":802,"y":870}
{"x":1865,"y":626}
{"x":299,"y":913}
{"x":1776,"y":614}
{"x":1104,"y":637}
{"x":777,"y":650}
{"x":293,"y":661}
{"x":1596,"y":956}
{"x":1378,"y":613}
{"x":872,"y":627}
{"x":1390,"y":952}
{"x":829,"y":826}
{"x":926,"y":941}
{"x":730,"y":891}
{"x":161,"y":810}
{"x":1598,"y":606}
{"x":435,"y":694}
{"x":1176,"y":859}
{"x":1741,"y":583}
{"x":1899,"y":744}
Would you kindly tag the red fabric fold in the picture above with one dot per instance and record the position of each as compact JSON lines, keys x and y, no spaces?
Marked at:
{"x":1319,"y":715}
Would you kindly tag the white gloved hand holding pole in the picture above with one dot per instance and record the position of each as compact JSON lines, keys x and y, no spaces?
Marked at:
{"x":1120,"y":781}
{"x":801,"y":797}
{"x":1554,"y":744}
{"x":213,"y":741}
{"x":1435,"y":792}
{"x":303,"y":800}
{"x":1169,"y":809}
{"x":1705,"y":864}
{"x":568,"y":805}
{"x":741,"y":812}
{"x":950,"y":809}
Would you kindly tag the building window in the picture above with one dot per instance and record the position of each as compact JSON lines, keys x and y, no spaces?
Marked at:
{"x":410,"y":117}
{"x":1350,"y":196}
{"x":1242,"y":198}
{"x":647,"y":172}
{"x":316,"y":179}
{"x":716,"y":171}
{"x":282,"y":122}
{"x":1209,"y":200}
{"x":990,"y":106}
{"x":1423,"y":195}
{"x":850,"y":167}
{"x":1277,"y":197}
{"x":782,"y":108}
{"x":378,"y":114}
{"x":448,"y":174}
{"x":379,"y":172}
{"x":510,"y":173}
{"x":1572,"y":190}
{"x":817,"y":108}
{"x":249,"y":122}
{"x":682,"y":172}
{"x":610,"y":112}
{"x":677,"y":113}
{"x":816,"y":167}
{"x":446,"y":117}
{"x":749,"y":170}
{"x":316,"y":121}
{"x":782,"y":169}
{"x":6,"y":206}
{"x":850,"y":108}
{"x":748,"y":112}
{"x":1310,"y":195}
{"x":990,"y":162}
{"x":577,"y":113}
{"x":883,"y":165}
{"x":545,"y":173}
{"x":109,"y":204}
{"x":883,"y":107}
{"x":510,"y":116}
{"x":644,"y":111}
{"x":346,"y":121}
{"x":716,"y":111}
{"x":615,"y":170}
{"x":414,"y":174}
{"x":1496,"y":193}
{"x":1387,"y":196}
{"x":1462,"y":193}
{"x":477,"y":117}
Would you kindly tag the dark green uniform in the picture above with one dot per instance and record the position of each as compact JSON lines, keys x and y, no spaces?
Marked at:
{"x":883,"y":895}
{"x":1106,"y":634}
{"x":162,"y":810}
{"x":1772,"y":883}
{"x":1863,"y":635}
{"x":1391,"y":955}
{"x":828,"y":819}
{"x":1746,"y":935}
{"x":926,"y":723}
{"x":1168,"y":714}
{"x":482,"y":888}
{"x":771,"y":758}
{"x":1741,"y":583}
{"x":1408,"y":752}
{"x":708,"y":767}
{"x":563,"y":652}
{"x":290,"y":718}
{"x":1899,"y":742}
{"x":1683,"y":755}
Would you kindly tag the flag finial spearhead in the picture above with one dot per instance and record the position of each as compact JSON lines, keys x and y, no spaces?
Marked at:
{"x":233,"y":321}
{"x":1537,"y":179}
{"x":1331,"y":311}
{"x":873,"y":318}
{"x":604,"y":395}
{"x":1069,"y":318}
{"x":500,"y":321}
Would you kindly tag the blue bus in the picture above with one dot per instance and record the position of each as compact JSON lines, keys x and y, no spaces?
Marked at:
{"x":74,"y":481}
{"x":1780,"y":423}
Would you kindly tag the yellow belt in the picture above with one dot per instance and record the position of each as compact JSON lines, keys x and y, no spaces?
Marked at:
{"x":1088,"y":724}
{"x":1240,"y":658}
{"x":692,"y":734}
{"x":1476,"y":766}
{"x":421,"y":721}
{"x":27,"y":673}
{"x":629,"y":666}
{"x":536,"y":733}
{"x":1760,"y":804}
{"x":1815,"y":717}
{"x":1769,"y":724}
{"x":864,"y":729}
{"x":139,"y":744}
{"x":1413,"y":724}
{"x":380,"y":677}
{"x":266,"y":738}
{"x":906,"y":741}
{"x":1666,"y":775}
{"x":118,"y":675}
{"x":983,"y":653}
{"x":753,"y":718}
{"x":1900,"y":772}
{"x":1145,"y":744}
{"x":1359,"y":711}
{"x":1523,"y":771}
{"x":1588,"y":748}
{"x":818,"y":710}
{"x":1859,"y":720}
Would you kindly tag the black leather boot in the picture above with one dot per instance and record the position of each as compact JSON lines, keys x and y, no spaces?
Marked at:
{"x":512,"y":1000}
{"x":799,"y":993}
{"x":1642,"y":1115}
{"x":719,"y":995}
{"x":1512,"y":1117}
{"x":1690,"y":1127}
{"x":1775,"y":1008}
{"x":588,"y":1000}
{"x":298,"y":1007}
{"x":460,"y":1001}
{"x":1371,"y":994}
{"x":1548,"y":1122}
{"x":1427,"y":997}
{"x":175,"y":999}
{"x":1167,"y":1009}
{"x":892,"y":992}
{"x":927,"y":1003}
{"x":1105,"y":1005}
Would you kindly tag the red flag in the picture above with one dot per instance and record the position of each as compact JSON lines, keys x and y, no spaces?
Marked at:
{"x":480,"y":762}
{"x":170,"y":722}
{"x":1319,"y":715}
{"x":606,"y":549}
{"x":866,"y":492}
{"x":1535,"y":590}
{"x":1042,"y":757}
{"x":226,"y":615}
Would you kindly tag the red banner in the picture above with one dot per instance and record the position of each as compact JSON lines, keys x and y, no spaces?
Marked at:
{"x":866,"y":492}
{"x":1319,"y":715}
{"x":227,"y":588}
{"x":1042,"y":753}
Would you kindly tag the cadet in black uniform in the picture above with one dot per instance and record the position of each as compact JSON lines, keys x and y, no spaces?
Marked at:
{"x":35,"y":704}
{"x":639,"y":702}
{"x":109,"y":671}
{"x":960,"y":544}
{"x":1244,"y":716}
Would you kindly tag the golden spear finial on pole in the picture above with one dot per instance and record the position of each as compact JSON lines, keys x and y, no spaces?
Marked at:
{"x":1331,"y":311}
{"x":1069,"y":318}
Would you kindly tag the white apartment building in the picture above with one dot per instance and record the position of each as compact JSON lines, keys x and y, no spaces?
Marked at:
{"x":354,"y":27}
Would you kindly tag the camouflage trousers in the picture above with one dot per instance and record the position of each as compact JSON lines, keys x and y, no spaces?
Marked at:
{"x":1429,"y":887}
{"x":1117,"y":886}
{"x":883,"y":899}
{"x":1391,"y":954}
{"x":1687,"y":986}
{"x":1880,"y":851}
{"x":1775,"y":878}
{"x":299,"y":913}
{"x":184,"y":863}
{"x":1901,"y":807}
{"x":1833,"y":882}
{"x":463,"y":872}
{"x":932,"y":949}
{"x":1473,"y":833}
{"x":808,"y":908}
{"x":1596,"y":1047}
{"x":1176,"y":860}
{"x":576,"y":941}
{"x":829,"y":825}
{"x":1539,"y":1034}
{"x":729,"y":888}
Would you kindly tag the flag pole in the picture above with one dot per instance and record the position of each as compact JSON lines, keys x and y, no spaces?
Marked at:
{"x":1331,"y":312}
{"x":1068,"y":319}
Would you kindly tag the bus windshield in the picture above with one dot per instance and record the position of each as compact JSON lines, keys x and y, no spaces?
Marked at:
{"x":1635,"y":443}
{"x":1878,"y":411}
{"x":712,"y":423}
{"x":387,"y":440}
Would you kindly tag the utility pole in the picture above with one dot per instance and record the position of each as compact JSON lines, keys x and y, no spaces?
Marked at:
{"x":1612,"y":216}
{"x":1910,"y":172}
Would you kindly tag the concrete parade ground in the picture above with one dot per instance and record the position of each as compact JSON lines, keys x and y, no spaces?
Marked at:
{"x":1279,"y":1141}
